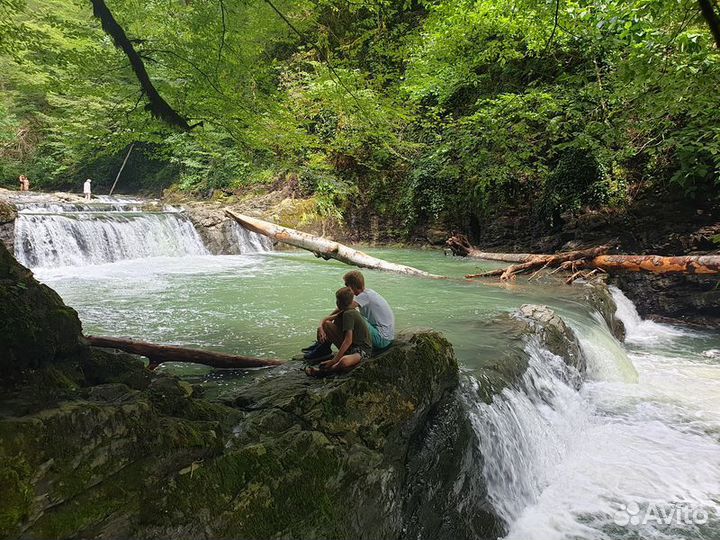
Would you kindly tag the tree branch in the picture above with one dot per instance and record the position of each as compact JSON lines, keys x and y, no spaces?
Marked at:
{"x":222,"y":35}
{"x":157,"y":106}
{"x":708,"y":11}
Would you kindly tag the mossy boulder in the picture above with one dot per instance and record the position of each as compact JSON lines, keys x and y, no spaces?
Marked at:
{"x":8,"y":212}
{"x":552,"y":333}
{"x":530,"y":322}
{"x":315,"y":458}
{"x":36,"y":327}
{"x":288,"y":457}
{"x":599,"y":297}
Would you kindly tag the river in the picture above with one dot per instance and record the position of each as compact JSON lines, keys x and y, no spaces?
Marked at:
{"x":634,"y":453}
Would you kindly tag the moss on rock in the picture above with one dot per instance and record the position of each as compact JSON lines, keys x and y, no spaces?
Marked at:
{"x":599,"y":297}
{"x":36,"y":327}
{"x":8,"y":212}
{"x":124,"y":458}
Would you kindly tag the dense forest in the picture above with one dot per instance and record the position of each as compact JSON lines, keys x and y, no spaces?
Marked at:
{"x":444,"y":111}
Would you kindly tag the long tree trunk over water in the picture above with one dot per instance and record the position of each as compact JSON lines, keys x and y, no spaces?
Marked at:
{"x":157,"y":354}
{"x":595,"y":259}
{"x":324,"y":248}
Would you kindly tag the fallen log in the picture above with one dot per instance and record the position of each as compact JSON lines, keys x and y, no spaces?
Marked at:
{"x":533,"y":262}
{"x":596,"y":260}
{"x":324,"y":248}
{"x":688,"y":264}
{"x":460,"y":246}
{"x":157,"y":354}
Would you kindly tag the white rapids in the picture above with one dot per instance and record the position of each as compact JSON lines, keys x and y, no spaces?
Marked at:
{"x":619,"y":458}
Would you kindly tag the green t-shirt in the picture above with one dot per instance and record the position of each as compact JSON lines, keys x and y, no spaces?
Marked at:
{"x":352,"y":320}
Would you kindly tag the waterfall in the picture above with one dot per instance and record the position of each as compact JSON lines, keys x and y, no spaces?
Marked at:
{"x":564,"y":463}
{"x":79,"y":238}
{"x":249,"y":241}
{"x":641,"y":331}
{"x":51,"y":233}
{"x":524,"y":432}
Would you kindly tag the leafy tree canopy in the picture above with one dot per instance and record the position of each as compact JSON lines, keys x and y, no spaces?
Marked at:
{"x":418,"y":110}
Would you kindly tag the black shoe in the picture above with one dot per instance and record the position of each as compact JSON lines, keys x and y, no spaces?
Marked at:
{"x":310,"y":347}
{"x":322,"y":350}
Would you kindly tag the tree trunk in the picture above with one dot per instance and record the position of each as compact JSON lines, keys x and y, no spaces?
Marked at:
{"x":597,"y":260}
{"x":690,"y":264}
{"x":531,"y":262}
{"x":324,"y":248}
{"x":157,"y":354}
{"x":707,"y":8}
{"x":460,"y":246}
{"x":121,"y":168}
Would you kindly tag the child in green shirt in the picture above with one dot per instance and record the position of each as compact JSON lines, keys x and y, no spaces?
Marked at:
{"x":357,"y":341}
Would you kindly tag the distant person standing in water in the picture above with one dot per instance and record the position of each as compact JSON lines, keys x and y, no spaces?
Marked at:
{"x":24,"y":183}
{"x":87,"y":189}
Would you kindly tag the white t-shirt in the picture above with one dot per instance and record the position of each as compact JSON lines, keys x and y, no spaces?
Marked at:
{"x":86,"y":187}
{"x":378,"y":312}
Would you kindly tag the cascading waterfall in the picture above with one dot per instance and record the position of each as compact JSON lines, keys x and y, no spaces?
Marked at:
{"x":52,"y":234}
{"x":616,"y":459}
{"x":249,"y":241}
{"x":637,"y":329}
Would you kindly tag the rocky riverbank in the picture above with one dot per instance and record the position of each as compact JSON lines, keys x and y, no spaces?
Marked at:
{"x":92,"y":444}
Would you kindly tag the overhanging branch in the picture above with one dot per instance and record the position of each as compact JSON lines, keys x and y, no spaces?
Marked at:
{"x":707,"y":8}
{"x":157,"y":106}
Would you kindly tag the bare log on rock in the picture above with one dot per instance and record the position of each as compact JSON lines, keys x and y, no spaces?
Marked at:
{"x":324,"y":248}
{"x":157,"y":354}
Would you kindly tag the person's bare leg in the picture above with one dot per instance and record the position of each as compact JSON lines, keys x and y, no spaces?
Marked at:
{"x":346,"y":363}
{"x":333,"y":333}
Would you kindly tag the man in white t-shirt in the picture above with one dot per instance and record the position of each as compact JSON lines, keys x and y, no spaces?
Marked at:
{"x":87,"y":189}
{"x":374,"y":308}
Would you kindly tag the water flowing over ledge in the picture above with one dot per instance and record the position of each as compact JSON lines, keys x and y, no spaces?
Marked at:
{"x":50,"y":234}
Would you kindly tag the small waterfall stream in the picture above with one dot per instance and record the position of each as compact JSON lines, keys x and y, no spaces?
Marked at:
{"x":559,"y":458}
{"x":52,"y":234}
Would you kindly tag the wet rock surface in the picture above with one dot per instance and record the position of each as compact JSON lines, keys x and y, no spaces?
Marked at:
{"x":693,"y":299}
{"x":530,"y":322}
{"x":600,"y":298}
{"x":8,"y":214}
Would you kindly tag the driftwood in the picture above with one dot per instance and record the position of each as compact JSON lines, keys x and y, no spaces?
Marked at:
{"x":324,"y":248}
{"x":596,"y":260}
{"x":157,"y":354}
{"x":569,"y":259}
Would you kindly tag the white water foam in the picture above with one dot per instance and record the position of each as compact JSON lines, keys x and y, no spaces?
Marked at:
{"x":78,"y":239}
{"x":637,"y":329}
{"x":560,"y":464}
{"x":49,"y":234}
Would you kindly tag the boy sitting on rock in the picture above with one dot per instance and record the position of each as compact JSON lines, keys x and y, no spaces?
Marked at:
{"x":356,"y":344}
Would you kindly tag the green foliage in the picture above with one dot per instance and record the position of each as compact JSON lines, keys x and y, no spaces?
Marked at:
{"x":445,"y":111}
{"x":576,"y":181}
